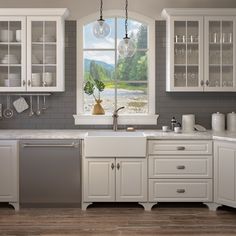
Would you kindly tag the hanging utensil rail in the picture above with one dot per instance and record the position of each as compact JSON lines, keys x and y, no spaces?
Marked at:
{"x":25,"y":94}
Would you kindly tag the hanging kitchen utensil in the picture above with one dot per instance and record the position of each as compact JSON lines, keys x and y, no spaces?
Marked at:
{"x":20,"y":105}
{"x":31,"y":106}
{"x":38,"y":112}
{"x":8,"y":112}
{"x":44,"y":107}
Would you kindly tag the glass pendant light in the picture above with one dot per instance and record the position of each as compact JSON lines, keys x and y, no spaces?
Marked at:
{"x":100,"y":28}
{"x":127,"y":46}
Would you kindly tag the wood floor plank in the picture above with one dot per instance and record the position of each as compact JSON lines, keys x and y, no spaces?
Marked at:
{"x":119,"y":219}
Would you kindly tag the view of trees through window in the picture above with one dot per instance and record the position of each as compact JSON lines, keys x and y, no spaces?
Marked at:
{"x":125,"y":79}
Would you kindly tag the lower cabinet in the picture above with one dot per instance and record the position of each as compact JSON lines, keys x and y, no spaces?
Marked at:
{"x":180,"y":171}
{"x":9,"y":174}
{"x":225,"y":173}
{"x":115,"y":179}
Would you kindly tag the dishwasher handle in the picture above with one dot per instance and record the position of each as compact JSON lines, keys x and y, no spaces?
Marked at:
{"x":72,"y":145}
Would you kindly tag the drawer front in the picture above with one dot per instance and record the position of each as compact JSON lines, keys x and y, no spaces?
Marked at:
{"x":181,"y":167}
{"x":175,"y":190}
{"x":180,"y":147}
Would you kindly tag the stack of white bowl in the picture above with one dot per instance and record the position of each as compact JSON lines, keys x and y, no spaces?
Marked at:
{"x":4,"y":34}
{"x":13,"y":80}
{"x":10,"y":58}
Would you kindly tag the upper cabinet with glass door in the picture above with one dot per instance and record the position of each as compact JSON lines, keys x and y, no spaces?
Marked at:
{"x":44,"y":68}
{"x":220,"y":53}
{"x":12,"y":53}
{"x":200,"y":50}
{"x":45,"y":54}
{"x":184,"y":53}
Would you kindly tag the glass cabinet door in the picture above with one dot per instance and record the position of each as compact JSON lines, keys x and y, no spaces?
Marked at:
{"x":220,"y":43}
{"x":43,"y":36}
{"x":12,"y":53}
{"x":187,"y":52}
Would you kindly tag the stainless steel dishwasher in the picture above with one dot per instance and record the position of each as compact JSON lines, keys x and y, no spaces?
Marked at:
{"x":50,"y":172}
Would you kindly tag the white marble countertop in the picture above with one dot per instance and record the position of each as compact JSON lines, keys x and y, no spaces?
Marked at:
{"x":80,"y":134}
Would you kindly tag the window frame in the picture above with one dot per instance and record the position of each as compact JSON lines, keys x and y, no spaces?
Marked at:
{"x":124,"y":119}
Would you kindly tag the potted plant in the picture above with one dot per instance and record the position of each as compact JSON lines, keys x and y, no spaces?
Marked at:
{"x":93,"y":87}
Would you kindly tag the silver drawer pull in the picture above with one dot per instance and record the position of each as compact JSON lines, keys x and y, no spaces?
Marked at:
{"x":180,"y":167}
{"x":180,"y":148}
{"x":26,"y":145}
{"x":180,"y":191}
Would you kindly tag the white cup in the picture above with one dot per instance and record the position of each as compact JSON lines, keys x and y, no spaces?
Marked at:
{"x":48,"y":78}
{"x":36,"y":80}
{"x":18,"y":35}
{"x":165,"y":128}
{"x":177,"y":129}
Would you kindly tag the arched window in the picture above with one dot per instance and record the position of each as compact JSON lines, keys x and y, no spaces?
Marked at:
{"x":129,"y":82}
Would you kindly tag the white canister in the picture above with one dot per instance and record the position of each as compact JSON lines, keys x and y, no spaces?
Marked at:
{"x":188,"y":122}
{"x":218,"y":122}
{"x":231,"y":122}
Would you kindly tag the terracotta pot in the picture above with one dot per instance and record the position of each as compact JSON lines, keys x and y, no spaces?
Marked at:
{"x":97,"y":108}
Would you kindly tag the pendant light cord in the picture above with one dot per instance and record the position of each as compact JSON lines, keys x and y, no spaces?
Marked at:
{"x":126,"y":19}
{"x":101,"y":9}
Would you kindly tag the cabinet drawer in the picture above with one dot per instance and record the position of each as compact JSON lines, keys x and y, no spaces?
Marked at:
{"x":180,"y":147}
{"x":177,"y":190}
{"x":180,"y":167}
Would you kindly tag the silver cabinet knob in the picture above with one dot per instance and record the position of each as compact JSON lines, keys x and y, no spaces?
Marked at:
{"x":180,"y":190}
{"x":207,"y":83}
{"x":118,"y":166}
{"x":180,"y":167}
{"x":29,"y":83}
{"x":112,"y":166}
{"x":202,"y":82}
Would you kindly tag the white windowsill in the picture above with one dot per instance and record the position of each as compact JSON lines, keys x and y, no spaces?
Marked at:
{"x":82,"y":119}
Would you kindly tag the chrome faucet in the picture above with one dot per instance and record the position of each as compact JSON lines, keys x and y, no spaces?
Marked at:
{"x":115,"y":118}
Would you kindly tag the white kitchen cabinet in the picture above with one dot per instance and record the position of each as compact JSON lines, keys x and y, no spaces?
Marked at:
{"x":200,"y":50}
{"x":180,"y":171}
{"x":99,"y":179}
{"x":37,"y":66}
{"x":12,"y":53}
{"x":114,"y":180}
{"x":9,"y":173}
{"x":220,"y":53}
{"x":225,"y":173}
{"x":131,"y":179}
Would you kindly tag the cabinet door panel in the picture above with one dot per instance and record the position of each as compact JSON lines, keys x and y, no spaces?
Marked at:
{"x":131,"y":179}
{"x":12,"y":54}
{"x":45,"y":52}
{"x":185,"y":54}
{"x":99,"y":179}
{"x":225,"y":176}
{"x":8,"y":171}
{"x":220,"y":53}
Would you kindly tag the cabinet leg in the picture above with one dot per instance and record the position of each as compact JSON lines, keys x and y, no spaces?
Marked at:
{"x":147,"y":205}
{"x":84,"y":205}
{"x":211,"y":205}
{"x":16,"y":205}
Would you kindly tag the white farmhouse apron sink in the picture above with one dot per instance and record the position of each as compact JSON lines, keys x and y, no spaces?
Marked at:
{"x":115,"y":144}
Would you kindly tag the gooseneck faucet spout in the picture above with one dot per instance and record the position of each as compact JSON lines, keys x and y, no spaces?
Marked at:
{"x":115,"y":118}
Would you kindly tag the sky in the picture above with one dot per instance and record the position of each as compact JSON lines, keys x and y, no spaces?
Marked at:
{"x":90,"y":41}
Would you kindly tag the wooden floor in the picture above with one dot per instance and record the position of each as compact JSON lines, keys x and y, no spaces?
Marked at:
{"x":119,"y":219}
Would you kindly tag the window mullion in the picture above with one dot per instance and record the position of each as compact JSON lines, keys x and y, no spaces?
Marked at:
{"x":115,"y":74}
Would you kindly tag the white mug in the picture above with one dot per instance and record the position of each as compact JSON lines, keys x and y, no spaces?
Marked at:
{"x":48,"y":78}
{"x":18,"y":35}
